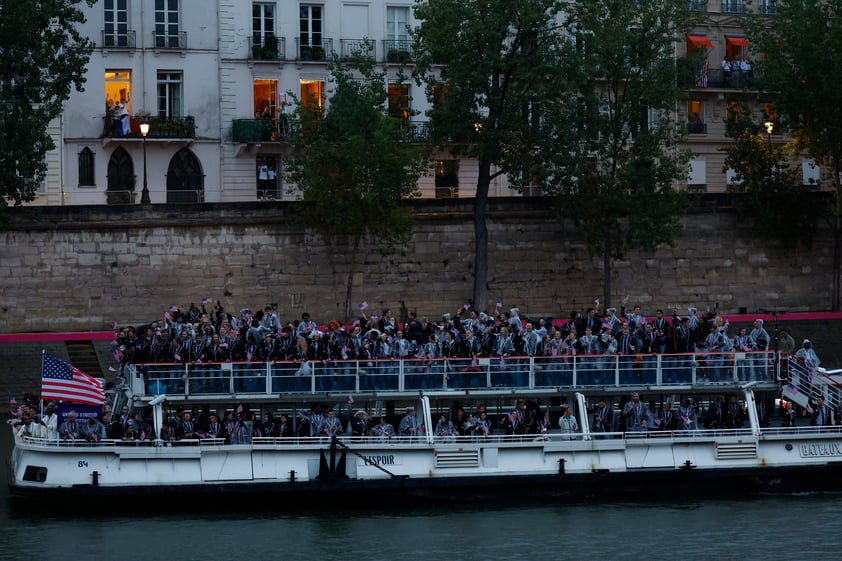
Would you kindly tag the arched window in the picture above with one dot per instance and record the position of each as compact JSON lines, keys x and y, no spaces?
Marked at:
{"x":185,"y":180}
{"x":121,"y":178}
{"x":86,"y":168}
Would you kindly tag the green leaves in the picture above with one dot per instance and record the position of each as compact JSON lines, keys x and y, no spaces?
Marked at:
{"x":42,"y":56}
{"x":354,"y":163}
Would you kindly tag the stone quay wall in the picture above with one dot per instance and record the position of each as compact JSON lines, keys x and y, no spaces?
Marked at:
{"x":82,"y":268}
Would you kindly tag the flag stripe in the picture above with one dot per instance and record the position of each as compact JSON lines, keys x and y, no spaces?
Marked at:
{"x":62,"y":381}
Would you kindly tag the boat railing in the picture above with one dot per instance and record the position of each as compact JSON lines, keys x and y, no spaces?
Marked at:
{"x":474,"y":439}
{"x":487,"y":373}
{"x":806,"y":384}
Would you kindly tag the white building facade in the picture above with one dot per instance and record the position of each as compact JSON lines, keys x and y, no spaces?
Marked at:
{"x":215,"y":79}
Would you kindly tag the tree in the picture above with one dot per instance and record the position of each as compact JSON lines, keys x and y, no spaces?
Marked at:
{"x":801,"y":72}
{"x":770,"y":193}
{"x":354,"y":164}
{"x":487,"y":65}
{"x":42,"y":55}
{"x":612,"y":154}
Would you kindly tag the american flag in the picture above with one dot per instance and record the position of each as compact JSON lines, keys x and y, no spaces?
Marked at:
{"x":702,"y":82}
{"x":62,"y":381}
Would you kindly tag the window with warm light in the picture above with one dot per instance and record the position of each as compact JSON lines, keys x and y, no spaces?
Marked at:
{"x":447,"y":179}
{"x":118,"y":89}
{"x":399,"y":102}
{"x":312,"y":95}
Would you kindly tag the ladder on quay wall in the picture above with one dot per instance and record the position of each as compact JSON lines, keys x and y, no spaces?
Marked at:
{"x":83,"y":356}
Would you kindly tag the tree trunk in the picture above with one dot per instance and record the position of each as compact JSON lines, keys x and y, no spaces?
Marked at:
{"x":606,"y":280}
{"x":481,"y":237}
{"x":837,"y":238}
{"x":351,"y":270}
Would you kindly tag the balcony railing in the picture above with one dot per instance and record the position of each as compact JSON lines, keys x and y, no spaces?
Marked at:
{"x":159,"y":127}
{"x":244,"y":131}
{"x":267,"y":48}
{"x":733,"y":7}
{"x":314,"y":51}
{"x":397,"y":51}
{"x":697,"y":128}
{"x":717,"y":78}
{"x":118,"y":40}
{"x":417,"y":131}
{"x":351,"y":48}
{"x":174,"y":41}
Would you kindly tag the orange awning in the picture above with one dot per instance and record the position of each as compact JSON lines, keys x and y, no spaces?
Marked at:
{"x":737,"y":41}
{"x":700,"y":41}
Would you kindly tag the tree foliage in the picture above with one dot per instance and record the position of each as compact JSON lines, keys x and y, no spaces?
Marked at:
{"x":488,"y":65}
{"x":42,"y":56}
{"x":769,"y":188}
{"x":612,"y":153}
{"x":354,"y":163}
{"x":801,"y":72}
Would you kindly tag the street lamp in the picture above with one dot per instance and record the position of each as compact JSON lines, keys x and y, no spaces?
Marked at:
{"x":770,"y":126}
{"x":144,"y":195}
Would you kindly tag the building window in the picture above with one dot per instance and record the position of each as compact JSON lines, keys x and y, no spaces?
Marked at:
{"x":86,"y":168}
{"x":169,"y":94}
{"x":399,"y":102}
{"x":696,"y":117}
{"x":312,"y":95}
{"x":118,"y":102}
{"x":185,"y":180}
{"x":697,"y":176}
{"x":732,"y":182}
{"x":116,"y":30}
{"x":698,"y":5}
{"x":262,"y":21}
{"x":310,"y":33}
{"x":769,"y":7}
{"x":268,"y":187}
{"x":397,"y":23}
{"x":397,"y":46}
{"x":167,"y":28}
{"x":447,"y":179}
{"x":736,"y":48}
{"x":733,"y":7}
{"x":811,"y":173}
{"x":121,"y":178}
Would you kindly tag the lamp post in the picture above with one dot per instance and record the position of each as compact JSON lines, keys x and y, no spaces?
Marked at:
{"x":144,"y":195}
{"x":770,"y":126}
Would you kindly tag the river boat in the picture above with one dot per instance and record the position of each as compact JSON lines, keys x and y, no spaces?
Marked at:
{"x":545,"y":464}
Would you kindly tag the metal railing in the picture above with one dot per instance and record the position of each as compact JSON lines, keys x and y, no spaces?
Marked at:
{"x":118,"y":39}
{"x":267,"y":48}
{"x":160,"y":127}
{"x":493,"y":373}
{"x":166,"y":40}
{"x":351,"y":48}
{"x":397,"y":51}
{"x":697,"y":128}
{"x":313,"y":51}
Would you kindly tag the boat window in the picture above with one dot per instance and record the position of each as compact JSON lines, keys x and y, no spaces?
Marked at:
{"x":35,"y":473}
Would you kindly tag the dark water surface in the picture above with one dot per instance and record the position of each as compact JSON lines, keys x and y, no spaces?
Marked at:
{"x":785,"y":527}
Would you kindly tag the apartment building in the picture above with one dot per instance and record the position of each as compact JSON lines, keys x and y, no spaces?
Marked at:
{"x":724,"y":83}
{"x":215,"y":81}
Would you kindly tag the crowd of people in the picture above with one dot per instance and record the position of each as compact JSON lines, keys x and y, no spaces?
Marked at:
{"x":199,"y":335}
{"x":737,"y":70}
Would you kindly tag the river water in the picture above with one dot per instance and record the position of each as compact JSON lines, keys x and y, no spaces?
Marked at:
{"x":659,"y":528}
